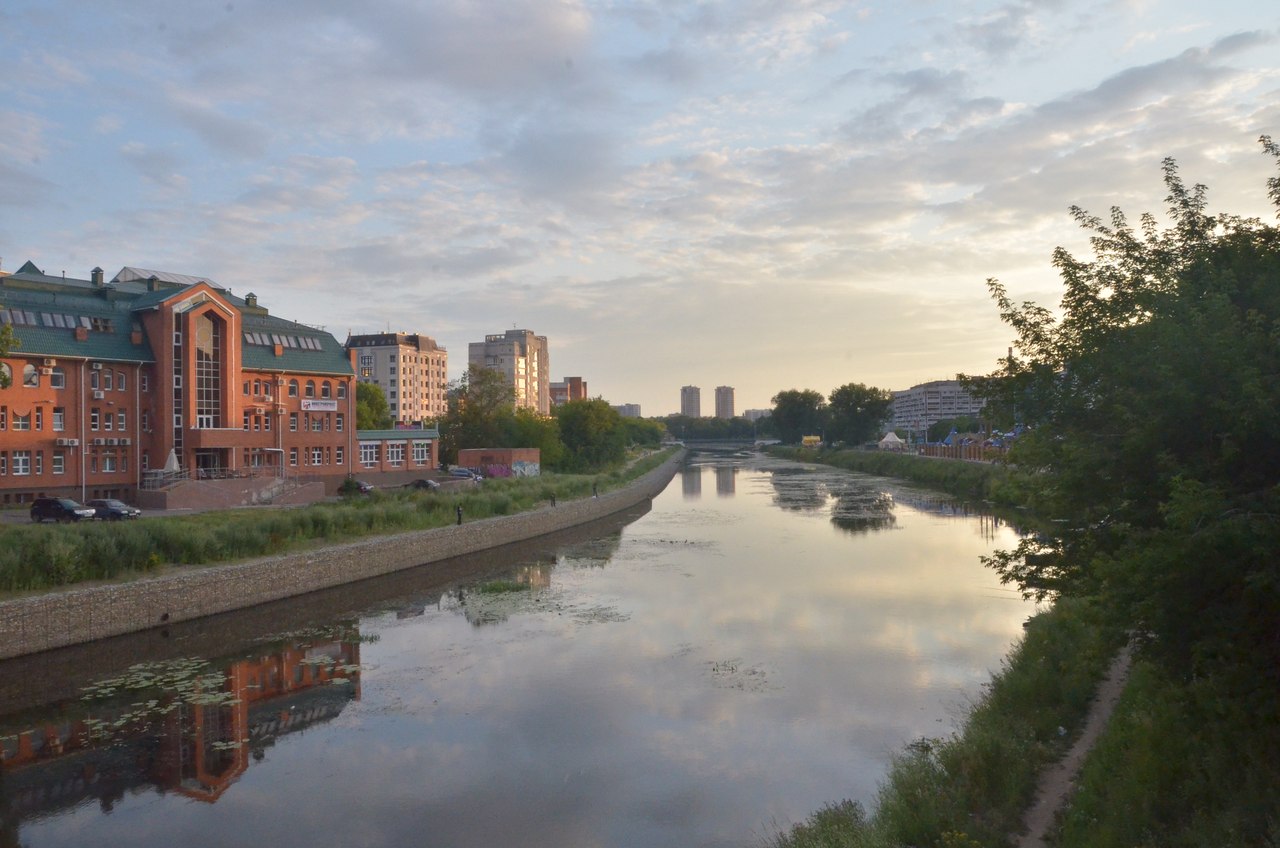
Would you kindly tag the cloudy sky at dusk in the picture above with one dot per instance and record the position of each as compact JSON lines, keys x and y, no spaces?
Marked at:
{"x":767,"y":195}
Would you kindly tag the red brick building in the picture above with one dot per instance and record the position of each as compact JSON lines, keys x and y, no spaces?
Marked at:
{"x":117,"y":385}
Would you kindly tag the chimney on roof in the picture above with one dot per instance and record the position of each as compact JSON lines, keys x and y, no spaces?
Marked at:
{"x":251,"y":299}
{"x":153,"y":283}
{"x":96,"y":274}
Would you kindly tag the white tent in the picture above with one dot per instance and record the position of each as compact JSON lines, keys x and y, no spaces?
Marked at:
{"x":171,"y":464}
{"x":891,"y":442}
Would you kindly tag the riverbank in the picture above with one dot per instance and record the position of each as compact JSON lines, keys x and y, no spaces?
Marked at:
{"x":974,"y":786}
{"x":76,"y":615}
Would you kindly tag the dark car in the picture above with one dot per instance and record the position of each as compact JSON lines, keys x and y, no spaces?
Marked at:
{"x":59,"y":509}
{"x":428,"y":485}
{"x":110,"y":509}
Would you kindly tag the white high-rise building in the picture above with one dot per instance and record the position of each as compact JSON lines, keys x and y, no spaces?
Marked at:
{"x":724,"y":402}
{"x":691,"y":401}
{"x":522,"y":357}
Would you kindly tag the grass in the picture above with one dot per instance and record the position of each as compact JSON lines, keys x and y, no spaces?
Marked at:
{"x":39,"y":557}
{"x":971,"y":788}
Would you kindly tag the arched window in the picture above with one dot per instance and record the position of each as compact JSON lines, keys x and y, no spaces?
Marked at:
{"x":326,"y":390}
{"x":293,"y":388}
{"x":311,"y":389}
{"x":342,"y":390}
{"x":30,"y":376}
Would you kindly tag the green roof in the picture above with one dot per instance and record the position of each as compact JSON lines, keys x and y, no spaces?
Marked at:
{"x":57,"y":305}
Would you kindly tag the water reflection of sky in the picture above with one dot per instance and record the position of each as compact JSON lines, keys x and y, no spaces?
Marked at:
{"x":737,"y":663}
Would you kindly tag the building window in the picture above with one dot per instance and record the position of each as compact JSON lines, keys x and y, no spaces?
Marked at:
{"x":94,"y":417}
{"x":119,"y":381}
{"x":326,"y":389}
{"x":342,"y":390}
{"x":146,"y":383}
{"x":395,"y":453}
{"x":58,"y":466}
{"x":120,"y":420}
{"x":317,"y":456}
{"x":39,"y":462}
{"x":30,"y":376}
{"x":22,"y":463}
{"x":266,"y":421}
{"x":146,"y":422}
{"x":208,"y":351}
{"x":293,"y":456}
{"x":22,"y":422}
{"x":310,"y":390}
{"x":4,"y":463}
{"x":4,"y":417}
{"x":146,"y":461}
{"x":368,"y":454}
{"x":293,"y":388}
{"x":421,"y":452}
{"x":59,"y":418}
{"x":95,"y":379}
{"x":58,"y":379}
{"x":246,"y":419}
{"x":246,"y":388}
{"x":107,"y":383}
{"x":39,"y":418}
{"x":339,"y":422}
{"x":109,"y":463}
{"x":108,"y":421}
{"x":293,"y":422}
{"x":337,"y":455}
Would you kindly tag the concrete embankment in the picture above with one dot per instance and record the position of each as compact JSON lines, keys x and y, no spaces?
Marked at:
{"x":79,"y":615}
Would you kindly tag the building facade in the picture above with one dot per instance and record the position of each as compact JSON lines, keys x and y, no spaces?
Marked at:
{"x":571,"y":388}
{"x":919,"y":407}
{"x":724,"y":402}
{"x":116,"y":383}
{"x":627,"y":410}
{"x":521,"y":356}
{"x":411,"y":369}
{"x":691,"y":401}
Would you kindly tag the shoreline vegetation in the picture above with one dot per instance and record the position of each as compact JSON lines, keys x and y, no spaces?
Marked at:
{"x":1162,"y":773}
{"x":40,"y":558}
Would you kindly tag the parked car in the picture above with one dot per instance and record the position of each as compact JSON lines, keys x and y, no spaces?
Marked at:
{"x":429,"y":485}
{"x":461,"y":472}
{"x":110,"y":509}
{"x":59,"y":509}
{"x":363,"y":487}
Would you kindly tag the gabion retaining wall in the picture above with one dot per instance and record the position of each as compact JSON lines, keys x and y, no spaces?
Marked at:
{"x":73,"y":616}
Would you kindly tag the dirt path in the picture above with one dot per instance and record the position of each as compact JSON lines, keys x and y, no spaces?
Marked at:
{"x":1058,"y":781}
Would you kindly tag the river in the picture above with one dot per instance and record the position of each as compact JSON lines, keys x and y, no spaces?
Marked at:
{"x":755,"y":646}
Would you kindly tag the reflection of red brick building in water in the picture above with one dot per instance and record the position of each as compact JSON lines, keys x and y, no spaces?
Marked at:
{"x":192,"y":739}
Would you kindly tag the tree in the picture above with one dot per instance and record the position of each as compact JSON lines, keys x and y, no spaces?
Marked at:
{"x":1153,"y":405}
{"x":7,"y":343}
{"x":798,"y":413}
{"x":942,"y":428}
{"x":372,"y":411}
{"x":857,"y":413}
{"x":525,"y":428}
{"x":593,"y":434}
{"x":480,"y":406}
{"x":645,"y":432}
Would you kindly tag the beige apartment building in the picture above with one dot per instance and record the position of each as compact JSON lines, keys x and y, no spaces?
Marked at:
{"x":691,"y":401}
{"x":411,"y":369}
{"x":522,"y":357}
{"x":724,"y":402}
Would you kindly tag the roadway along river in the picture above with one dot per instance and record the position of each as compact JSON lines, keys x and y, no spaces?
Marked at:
{"x":757,"y":645}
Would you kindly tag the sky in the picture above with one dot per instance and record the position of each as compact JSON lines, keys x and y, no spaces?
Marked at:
{"x":765,"y":195}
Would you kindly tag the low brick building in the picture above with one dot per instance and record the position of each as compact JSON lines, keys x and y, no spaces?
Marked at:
{"x":502,"y":462}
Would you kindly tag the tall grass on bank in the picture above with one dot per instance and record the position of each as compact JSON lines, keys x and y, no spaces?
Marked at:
{"x":39,"y":557}
{"x":1180,"y":764}
{"x":971,"y":788}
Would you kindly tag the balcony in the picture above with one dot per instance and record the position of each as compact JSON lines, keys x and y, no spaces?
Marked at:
{"x":229,"y":437}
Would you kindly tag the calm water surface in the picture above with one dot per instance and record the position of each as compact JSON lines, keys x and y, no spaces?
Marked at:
{"x":757,"y":645}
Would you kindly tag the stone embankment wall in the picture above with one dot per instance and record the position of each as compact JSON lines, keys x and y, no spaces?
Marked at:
{"x":74,"y":616}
